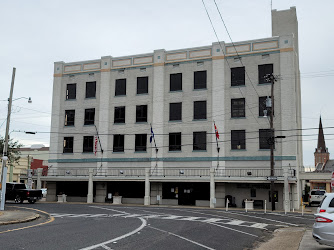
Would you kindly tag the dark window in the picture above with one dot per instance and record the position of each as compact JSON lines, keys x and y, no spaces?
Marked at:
{"x":238,"y":107}
{"x":119,"y":115}
{"x":69,"y":117}
{"x":71,"y":91}
{"x":265,"y":69}
{"x":238,"y":139}
{"x":89,"y":116}
{"x":176,"y":82}
{"x":141,"y":113}
{"x":264,"y":136}
{"x":238,"y":76}
{"x":263,"y":106}
{"x":88,"y":142}
{"x":68,"y":145}
{"x":331,"y":204}
{"x":200,"y":79}
{"x":140,"y":142}
{"x":174,"y":141}
{"x":175,"y":111}
{"x":142,"y":85}
{"x":199,"y":140}
{"x":90,"y":89}
{"x":118,"y":143}
{"x":199,"y":110}
{"x":120,"y":87}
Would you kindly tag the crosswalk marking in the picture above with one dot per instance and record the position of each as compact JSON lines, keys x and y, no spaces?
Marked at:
{"x":213,"y":221}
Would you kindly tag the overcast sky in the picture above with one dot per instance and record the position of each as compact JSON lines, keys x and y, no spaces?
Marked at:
{"x":35,"y":34}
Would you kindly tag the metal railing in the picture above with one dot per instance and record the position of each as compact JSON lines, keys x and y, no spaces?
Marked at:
{"x":163,"y":172}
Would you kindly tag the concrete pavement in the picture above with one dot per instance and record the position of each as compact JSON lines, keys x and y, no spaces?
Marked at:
{"x":13,"y":216}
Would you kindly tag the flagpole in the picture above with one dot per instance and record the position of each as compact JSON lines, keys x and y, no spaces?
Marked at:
{"x":216,"y":135}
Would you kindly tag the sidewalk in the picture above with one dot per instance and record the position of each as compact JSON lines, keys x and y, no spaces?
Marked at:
{"x":12,"y":216}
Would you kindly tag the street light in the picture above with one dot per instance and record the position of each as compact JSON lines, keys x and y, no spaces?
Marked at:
{"x":5,"y":146}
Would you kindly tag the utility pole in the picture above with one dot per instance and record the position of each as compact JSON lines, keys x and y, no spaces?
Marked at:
{"x":5,"y":146}
{"x":271,"y":78}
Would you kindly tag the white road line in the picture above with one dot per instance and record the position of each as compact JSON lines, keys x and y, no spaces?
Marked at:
{"x":171,"y":217}
{"x":144,"y":223}
{"x":291,"y":216}
{"x":106,"y":247}
{"x":264,"y":218}
{"x":212,"y":220}
{"x":235,"y":222}
{"x":259,"y":225}
{"x":110,"y":209}
{"x":233,"y":229}
{"x":78,"y":215}
{"x":194,"y":242}
{"x":190,"y":218}
{"x":60,"y":215}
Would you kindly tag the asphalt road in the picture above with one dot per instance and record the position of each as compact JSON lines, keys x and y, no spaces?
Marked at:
{"x":88,"y":226}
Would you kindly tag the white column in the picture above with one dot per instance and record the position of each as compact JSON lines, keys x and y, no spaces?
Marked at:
{"x":39,"y":174}
{"x":286,"y":191}
{"x":212,"y":188}
{"x":147,"y":187}
{"x":90,"y":186}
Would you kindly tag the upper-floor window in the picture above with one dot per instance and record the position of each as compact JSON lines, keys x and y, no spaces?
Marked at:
{"x":71,"y":91}
{"x":120,"y":87}
{"x":140,"y":142}
{"x":265,"y":139}
{"x":199,"y":140}
{"x":238,"y":76}
{"x":89,"y":116}
{"x":119,"y":115}
{"x":175,"y":111}
{"x":88,"y":143}
{"x":69,"y":117}
{"x":90,"y":89}
{"x":238,"y":139}
{"x":200,"y":79}
{"x":68,"y":145}
{"x":265,"y":69}
{"x":118,"y":143}
{"x":141,"y":113}
{"x":176,"y":82}
{"x":174,"y":141}
{"x":142,"y":85}
{"x":238,"y":107}
{"x":263,"y":106}
{"x":199,"y":110}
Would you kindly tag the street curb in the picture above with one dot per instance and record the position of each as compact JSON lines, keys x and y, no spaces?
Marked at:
{"x":31,"y":218}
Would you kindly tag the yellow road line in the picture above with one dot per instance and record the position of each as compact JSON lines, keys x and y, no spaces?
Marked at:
{"x":40,"y":224}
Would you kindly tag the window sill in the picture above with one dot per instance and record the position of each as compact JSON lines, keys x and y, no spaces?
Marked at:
{"x":68,"y":153}
{"x":70,"y":99}
{"x":142,"y":94}
{"x":176,"y":151}
{"x":120,"y":152}
{"x":119,"y":123}
{"x":198,"y":120}
{"x":238,"y":86}
{"x":141,"y":122}
{"x":266,"y":83}
{"x":69,"y":126}
{"x":175,"y":121}
{"x":120,"y":95}
{"x":87,"y":153}
{"x":89,"y":98}
{"x":200,"y":89}
{"x":265,"y":149}
{"x":88,"y":125}
{"x":242,"y":117}
{"x":236,"y":150}
{"x":177,"y":91}
{"x":140,"y":152}
{"x":200,"y":151}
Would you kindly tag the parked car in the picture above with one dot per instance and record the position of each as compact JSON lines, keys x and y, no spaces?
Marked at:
{"x":316,"y":196}
{"x":327,"y":204}
{"x":18,"y":192}
{"x":323,"y":229}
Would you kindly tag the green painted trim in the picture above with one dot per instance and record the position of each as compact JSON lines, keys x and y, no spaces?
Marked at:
{"x":175,"y":159}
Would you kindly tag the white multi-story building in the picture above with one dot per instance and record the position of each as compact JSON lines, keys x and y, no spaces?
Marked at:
{"x":180,"y":94}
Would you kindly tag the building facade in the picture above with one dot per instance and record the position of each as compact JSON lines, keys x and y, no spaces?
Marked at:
{"x":105,"y":112}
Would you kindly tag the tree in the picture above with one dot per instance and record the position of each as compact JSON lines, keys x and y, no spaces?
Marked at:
{"x":14,"y":153}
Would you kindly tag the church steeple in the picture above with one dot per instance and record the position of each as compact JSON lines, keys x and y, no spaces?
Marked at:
{"x":321,"y":154}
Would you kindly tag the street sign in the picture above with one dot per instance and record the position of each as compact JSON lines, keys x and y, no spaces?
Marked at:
{"x":272,"y":178}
